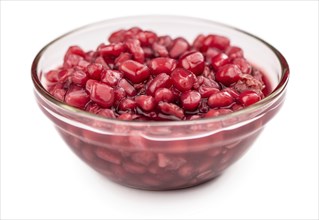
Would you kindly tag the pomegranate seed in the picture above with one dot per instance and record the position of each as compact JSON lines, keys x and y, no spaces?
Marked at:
{"x":182,"y":79}
{"x":219,"y":61}
{"x":143,"y":157}
{"x":128,"y":88}
{"x":193,"y":62}
{"x":190,"y":100}
{"x":134,"y":168}
{"x":162,"y":65}
{"x":111,"y":77}
{"x":121,"y":59}
{"x":134,"y":71}
{"x":112,"y":49}
{"x":164,"y":94}
{"x":198,"y":42}
{"x":206,"y":91}
{"x":79,"y":77}
{"x":107,"y":113}
{"x":52,"y":76}
{"x":217,"y":112}
{"x":160,"y":81}
{"x":231,"y":91}
{"x":180,"y":46}
{"x":117,"y":36}
{"x":248,"y":97}
{"x":146,"y":38}
{"x":94,"y":71}
{"x":211,"y":53}
{"x":228,"y":74}
{"x":147,"y":103}
{"x":171,"y":109}
{"x":234,"y":52}
{"x":220,"y":99}
{"x":108,"y":155}
{"x":215,"y":41}
{"x":159,"y":50}
{"x":127,"y":104}
{"x":77,"y":97}
{"x":102,"y":94}
{"x":100,"y":60}
{"x":59,"y":93}
{"x":243,"y":65}
{"x":135,"y":48}
{"x":166,"y":41}
{"x":93,"y":108}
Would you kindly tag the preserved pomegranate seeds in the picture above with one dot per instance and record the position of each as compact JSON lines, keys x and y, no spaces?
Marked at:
{"x":155,"y":77}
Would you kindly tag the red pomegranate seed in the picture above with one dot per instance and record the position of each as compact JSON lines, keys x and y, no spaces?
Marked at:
{"x":234,"y":52}
{"x":228,"y":74}
{"x":111,"y":77}
{"x":108,"y":155}
{"x":111,"y":50}
{"x":193,"y":62}
{"x":107,"y":113}
{"x":134,"y":71}
{"x":206,"y":91}
{"x":198,"y":42}
{"x":127,"y":104}
{"x":231,"y":91}
{"x":79,"y":77}
{"x":76,"y":50}
{"x":146,"y":38}
{"x":248,"y":97}
{"x":136,"y":50}
{"x":219,"y":61}
{"x":52,"y":76}
{"x":128,"y":88}
{"x":215,"y":41}
{"x":147,"y":103}
{"x":145,"y":158}
{"x":59,"y":93}
{"x":102,"y":94}
{"x":220,"y":99}
{"x":171,"y":109}
{"x":122,"y":58}
{"x":94,"y":71}
{"x":211,"y":53}
{"x":77,"y":97}
{"x":93,"y":108}
{"x":190,"y":100}
{"x":217,"y":112}
{"x":243,"y":65}
{"x":117,"y":36}
{"x":166,"y":41}
{"x":160,"y":81}
{"x":134,"y":168}
{"x":162,"y":65}
{"x":164,"y":94}
{"x":101,"y":61}
{"x":182,"y":79}
{"x":180,"y":46}
{"x":159,"y":50}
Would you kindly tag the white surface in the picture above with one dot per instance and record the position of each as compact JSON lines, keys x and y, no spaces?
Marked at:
{"x":42,"y":179}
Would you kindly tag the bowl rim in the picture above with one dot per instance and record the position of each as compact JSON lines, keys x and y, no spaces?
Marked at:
{"x":279,"y":89}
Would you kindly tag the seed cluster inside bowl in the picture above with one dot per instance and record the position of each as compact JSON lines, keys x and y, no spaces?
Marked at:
{"x":140,"y":75}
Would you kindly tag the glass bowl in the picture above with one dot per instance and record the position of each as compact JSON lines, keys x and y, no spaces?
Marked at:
{"x":161,"y":155}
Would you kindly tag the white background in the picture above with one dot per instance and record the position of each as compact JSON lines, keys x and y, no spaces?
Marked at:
{"x":42,"y":179}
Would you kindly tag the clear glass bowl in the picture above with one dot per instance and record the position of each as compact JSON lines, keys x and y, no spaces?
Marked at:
{"x":161,"y":155}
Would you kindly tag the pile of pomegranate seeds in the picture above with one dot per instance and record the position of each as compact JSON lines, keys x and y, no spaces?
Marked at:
{"x":139,"y":75}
